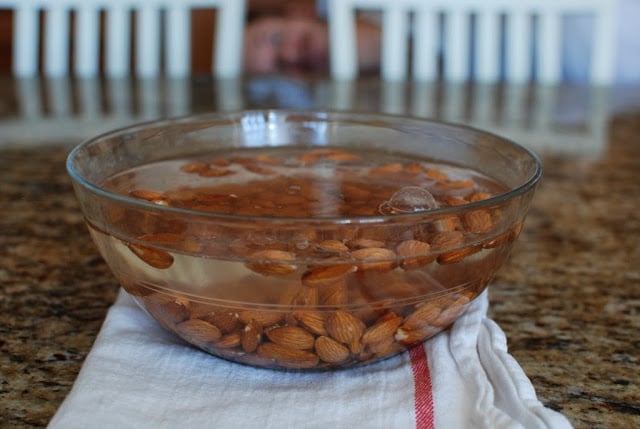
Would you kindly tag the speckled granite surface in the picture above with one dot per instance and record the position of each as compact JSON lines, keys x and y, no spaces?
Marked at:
{"x":568,"y":300}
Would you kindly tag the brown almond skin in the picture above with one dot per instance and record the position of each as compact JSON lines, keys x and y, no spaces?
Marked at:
{"x":326,"y":275}
{"x":313,"y":321}
{"x":426,"y":314}
{"x":344,"y":327}
{"x":229,"y":341}
{"x":277,"y":264}
{"x":198,"y":331}
{"x":291,"y":336}
{"x":331,"y":351}
{"x":251,"y":336}
{"x":382,"y":330}
{"x":387,"y":258}
{"x":415,"y":254}
{"x":478,"y":221}
{"x":288,"y":357}
{"x":153,"y":257}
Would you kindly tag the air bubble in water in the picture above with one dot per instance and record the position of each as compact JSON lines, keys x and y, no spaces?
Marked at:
{"x":409,"y":199}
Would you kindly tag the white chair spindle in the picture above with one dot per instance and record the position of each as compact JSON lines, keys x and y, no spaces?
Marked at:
{"x":148,"y":40}
{"x":117,"y":45}
{"x":425,"y":34}
{"x":549,"y":56}
{"x":178,"y":41}
{"x":457,"y":52}
{"x":25,"y":40}
{"x":603,"y":56}
{"x":342,"y":40}
{"x":229,"y":39}
{"x":518,"y":46}
{"x":87,"y":41}
{"x":487,"y":46}
{"x":394,"y":49}
{"x":56,"y":40}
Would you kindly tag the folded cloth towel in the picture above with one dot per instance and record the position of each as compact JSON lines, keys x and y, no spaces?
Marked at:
{"x":139,"y":376}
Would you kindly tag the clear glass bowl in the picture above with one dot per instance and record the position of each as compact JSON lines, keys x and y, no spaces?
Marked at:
{"x":299,"y":291}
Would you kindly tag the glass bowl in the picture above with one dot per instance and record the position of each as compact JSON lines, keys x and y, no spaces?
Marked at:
{"x":303,"y":240}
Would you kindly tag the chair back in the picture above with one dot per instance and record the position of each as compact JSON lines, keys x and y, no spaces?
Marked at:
{"x":489,"y":40}
{"x":158,"y":30}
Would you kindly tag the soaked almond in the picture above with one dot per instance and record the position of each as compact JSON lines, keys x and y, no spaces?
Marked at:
{"x":262,"y":317}
{"x":306,"y":296}
{"x":149,"y":195}
{"x":288,"y":357}
{"x":330,"y":350}
{"x":478,"y":221}
{"x":275,"y":262}
{"x":251,"y":336}
{"x":426,"y":314}
{"x":447,"y":240}
{"x":312,"y":321}
{"x":364,"y":243}
{"x":229,"y":341}
{"x":383,"y":330}
{"x":414,"y":254}
{"x":332,"y":246}
{"x":457,"y":255}
{"x":344,"y":327}
{"x":226,"y":321}
{"x":198,"y":331}
{"x":194,"y":167}
{"x":478,"y":196}
{"x":335,"y":294}
{"x":375,"y":258}
{"x":155,"y":258}
{"x":291,"y":336}
{"x":326,"y":275}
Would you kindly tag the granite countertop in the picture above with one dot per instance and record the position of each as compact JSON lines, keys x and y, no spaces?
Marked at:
{"x":568,"y":299}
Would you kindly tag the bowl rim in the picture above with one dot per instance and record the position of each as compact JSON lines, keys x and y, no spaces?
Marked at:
{"x":321,"y":114}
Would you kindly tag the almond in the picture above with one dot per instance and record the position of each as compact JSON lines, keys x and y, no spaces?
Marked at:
{"x":382,"y":330}
{"x":414,"y":254}
{"x":251,"y":336}
{"x":291,"y":336}
{"x":149,"y":195}
{"x":262,"y":317}
{"x":329,"y":350}
{"x":288,"y":357}
{"x":409,"y":337}
{"x":306,"y":296}
{"x":313,"y":321}
{"x":226,"y":321}
{"x":478,"y":221}
{"x":155,"y":258}
{"x":272,"y":262}
{"x":194,"y":167}
{"x":426,"y":314}
{"x":446,"y":240}
{"x":457,"y":255}
{"x":198,"y":331}
{"x":167,"y":309}
{"x":234,"y":339}
{"x":325,"y":275}
{"x":335,"y":294}
{"x":375,"y":258}
{"x":332,"y":246}
{"x":344,"y":327}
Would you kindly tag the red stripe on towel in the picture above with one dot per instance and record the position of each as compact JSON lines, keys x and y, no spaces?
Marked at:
{"x":422,"y":385}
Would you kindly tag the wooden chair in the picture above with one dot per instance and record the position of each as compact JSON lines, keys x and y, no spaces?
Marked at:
{"x":498,"y":34}
{"x":158,"y":31}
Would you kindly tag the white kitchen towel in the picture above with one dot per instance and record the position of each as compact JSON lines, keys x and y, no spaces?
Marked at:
{"x":139,"y":376}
